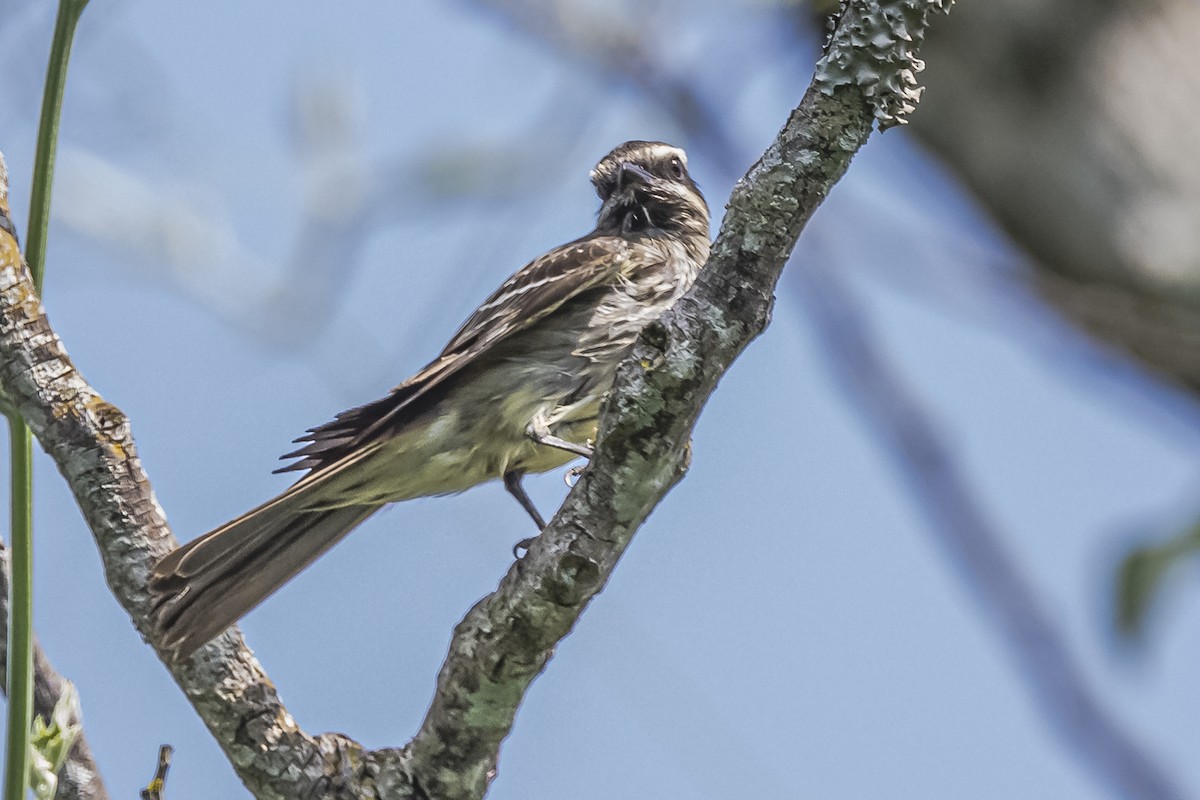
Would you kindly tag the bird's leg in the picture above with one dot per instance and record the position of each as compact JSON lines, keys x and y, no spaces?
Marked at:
{"x":539,"y":431}
{"x":512,"y":482}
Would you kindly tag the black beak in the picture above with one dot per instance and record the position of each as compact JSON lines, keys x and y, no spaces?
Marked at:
{"x":631,"y":173}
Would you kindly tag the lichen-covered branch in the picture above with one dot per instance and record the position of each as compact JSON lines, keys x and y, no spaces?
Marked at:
{"x":506,"y":640}
{"x":877,"y":52}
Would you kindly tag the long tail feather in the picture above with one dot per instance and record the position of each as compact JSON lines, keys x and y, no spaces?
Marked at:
{"x":209,"y":584}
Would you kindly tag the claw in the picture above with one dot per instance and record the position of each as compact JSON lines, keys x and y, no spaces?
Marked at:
{"x":571,"y":476}
{"x":521,"y":547}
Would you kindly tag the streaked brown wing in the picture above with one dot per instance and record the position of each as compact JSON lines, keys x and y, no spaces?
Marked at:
{"x":539,"y":288}
{"x":535,"y":291}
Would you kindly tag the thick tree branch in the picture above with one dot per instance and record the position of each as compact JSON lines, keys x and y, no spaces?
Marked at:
{"x":506,"y":640}
{"x":78,"y":779}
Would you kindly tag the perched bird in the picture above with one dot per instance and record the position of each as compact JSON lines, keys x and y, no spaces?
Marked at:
{"x":517,"y":390}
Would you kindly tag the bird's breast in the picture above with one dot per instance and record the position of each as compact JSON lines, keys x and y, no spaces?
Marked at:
{"x":656,"y":274}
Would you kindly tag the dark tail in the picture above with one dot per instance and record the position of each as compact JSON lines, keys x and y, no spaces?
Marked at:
{"x":209,"y":584}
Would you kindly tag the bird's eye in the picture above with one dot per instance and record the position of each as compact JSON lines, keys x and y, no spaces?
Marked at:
{"x":677,"y":169}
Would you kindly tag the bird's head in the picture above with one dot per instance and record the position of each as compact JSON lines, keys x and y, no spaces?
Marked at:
{"x":645,"y":187}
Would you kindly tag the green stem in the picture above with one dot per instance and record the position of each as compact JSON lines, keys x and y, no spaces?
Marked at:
{"x":47,"y":140}
{"x":20,"y":604}
{"x":20,"y":611}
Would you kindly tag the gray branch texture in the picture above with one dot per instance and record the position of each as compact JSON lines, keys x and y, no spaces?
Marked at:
{"x":78,"y":779}
{"x":506,"y":640}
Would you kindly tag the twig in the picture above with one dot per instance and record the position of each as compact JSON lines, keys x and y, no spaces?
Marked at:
{"x":154,"y":790}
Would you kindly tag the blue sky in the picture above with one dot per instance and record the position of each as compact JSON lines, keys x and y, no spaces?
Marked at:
{"x":784,"y":625}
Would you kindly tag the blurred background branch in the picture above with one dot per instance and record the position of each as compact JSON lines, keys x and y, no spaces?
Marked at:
{"x":1096,"y":187}
{"x":925,"y":462}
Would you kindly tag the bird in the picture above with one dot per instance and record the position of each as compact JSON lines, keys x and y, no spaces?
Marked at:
{"x":517,"y":390}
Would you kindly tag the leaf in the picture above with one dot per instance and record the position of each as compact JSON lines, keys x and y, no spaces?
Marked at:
{"x":50,"y":743}
{"x":1141,"y":574}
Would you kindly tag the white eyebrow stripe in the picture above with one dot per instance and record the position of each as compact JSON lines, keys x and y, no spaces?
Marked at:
{"x":664,"y":150}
